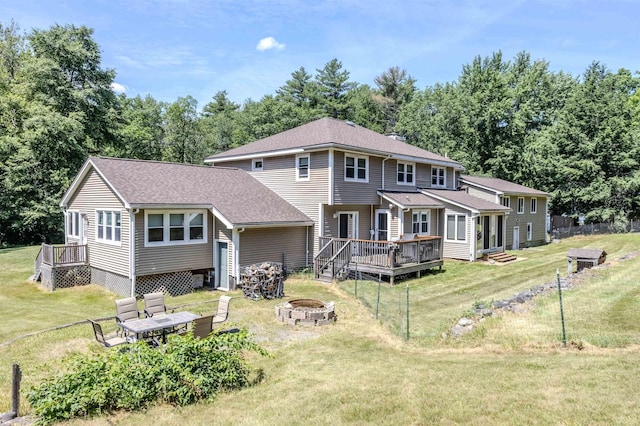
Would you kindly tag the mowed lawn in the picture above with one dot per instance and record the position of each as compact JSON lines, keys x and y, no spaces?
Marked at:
{"x":512,"y":369}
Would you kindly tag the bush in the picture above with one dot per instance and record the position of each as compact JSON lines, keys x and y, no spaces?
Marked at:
{"x":183,"y":371}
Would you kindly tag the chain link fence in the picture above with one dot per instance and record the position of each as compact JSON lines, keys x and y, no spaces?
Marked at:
{"x":596,"y":228}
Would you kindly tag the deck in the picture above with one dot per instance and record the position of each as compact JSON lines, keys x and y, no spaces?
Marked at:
{"x":339,"y":257}
{"x":62,"y":266}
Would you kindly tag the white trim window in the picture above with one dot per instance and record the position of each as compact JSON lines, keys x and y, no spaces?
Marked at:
{"x":534,"y":205}
{"x":420,"y":222}
{"x":108,"y":226}
{"x":356,"y":168}
{"x":456,"y":227}
{"x":505,"y":200}
{"x":406,"y":173}
{"x":520,"y":205}
{"x":438,"y":177}
{"x":174,"y":227}
{"x":529,"y":231}
{"x":257,"y":164}
{"x":73,"y":223}
{"x":302,"y":167}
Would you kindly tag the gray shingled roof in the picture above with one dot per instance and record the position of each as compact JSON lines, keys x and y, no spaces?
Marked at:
{"x":412,"y":199}
{"x":463,"y":198}
{"x":239,"y":197}
{"x":331,"y":132}
{"x":500,"y":185}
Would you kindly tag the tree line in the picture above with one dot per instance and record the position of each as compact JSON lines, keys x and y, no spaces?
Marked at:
{"x":576,"y":137}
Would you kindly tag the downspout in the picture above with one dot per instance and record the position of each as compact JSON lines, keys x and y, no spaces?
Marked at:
{"x":66,"y":224}
{"x":235,"y":237}
{"x":132,"y":249}
{"x":474,"y":242}
{"x":306,"y":258}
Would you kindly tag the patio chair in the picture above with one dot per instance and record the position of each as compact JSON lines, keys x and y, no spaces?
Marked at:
{"x":126,"y":309}
{"x":106,"y":341}
{"x":202,"y":327}
{"x":154,"y":304}
{"x":223,"y":310}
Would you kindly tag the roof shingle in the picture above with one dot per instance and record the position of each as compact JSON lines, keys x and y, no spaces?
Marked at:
{"x":500,"y":185}
{"x":464,"y":199}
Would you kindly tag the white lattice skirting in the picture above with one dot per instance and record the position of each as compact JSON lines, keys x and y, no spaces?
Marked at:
{"x":174,"y":283}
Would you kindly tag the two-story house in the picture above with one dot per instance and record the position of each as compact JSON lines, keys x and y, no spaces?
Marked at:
{"x":328,"y":193}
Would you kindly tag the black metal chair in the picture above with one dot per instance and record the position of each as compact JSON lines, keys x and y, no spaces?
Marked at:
{"x":106,"y":341}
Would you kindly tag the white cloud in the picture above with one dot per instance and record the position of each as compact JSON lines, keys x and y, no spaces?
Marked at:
{"x":269,"y":43}
{"x":118,"y":88}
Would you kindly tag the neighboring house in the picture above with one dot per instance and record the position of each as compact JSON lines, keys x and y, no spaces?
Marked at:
{"x":150,"y":225}
{"x":328,"y":193}
{"x":527,"y":224}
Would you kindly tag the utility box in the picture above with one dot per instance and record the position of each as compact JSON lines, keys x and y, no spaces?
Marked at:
{"x":198,"y":280}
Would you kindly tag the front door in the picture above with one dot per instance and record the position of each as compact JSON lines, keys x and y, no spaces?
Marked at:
{"x":516,"y":238}
{"x":348,"y":225}
{"x":222,"y":265}
{"x":382,"y":225}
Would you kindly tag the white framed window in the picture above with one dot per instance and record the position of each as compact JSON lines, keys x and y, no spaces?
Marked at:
{"x":456,"y":227}
{"x":406,"y":173}
{"x":356,"y":168}
{"x":529,"y":231}
{"x":520,"y":205}
{"x":174,"y":227}
{"x":505,"y":201}
{"x":302,"y":167}
{"x":108,"y":226}
{"x":73,"y":224}
{"x":256,"y":164}
{"x":420,"y":222}
{"x":534,"y":204}
{"x":438,"y":177}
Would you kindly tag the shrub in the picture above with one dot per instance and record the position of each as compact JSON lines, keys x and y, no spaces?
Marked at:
{"x":183,"y":371}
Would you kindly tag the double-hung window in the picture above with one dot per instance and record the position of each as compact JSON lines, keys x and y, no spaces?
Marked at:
{"x":534,"y":205}
{"x":73,"y":224}
{"x":356,"y":168}
{"x":520,"y":205}
{"x":405,"y":174}
{"x":108,"y":226}
{"x":456,"y":227}
{"x":302,"y":167}
{"x":175,"y":227}
{"x":505,"y":201}
{"x":420,"y":222}
{"x":529,"y":231}
{"x":438,"y":177}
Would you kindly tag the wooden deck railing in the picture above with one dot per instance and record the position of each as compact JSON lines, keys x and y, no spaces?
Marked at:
{"x":419,"y":250}
{"x":62,"y":255}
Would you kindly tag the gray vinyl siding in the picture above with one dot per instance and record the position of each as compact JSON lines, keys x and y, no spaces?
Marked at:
{"x":484,"y":194}
{"x":434,"y":221}
{"x":348,"y":192}
{"x":172,"y":258}
{"x":274,"y":244}
{"x":537,"y":220}
{"x":423,"y":179}
{"x":457,"y":249}
{"x":279,"y":175}
{"x":94,"y":194}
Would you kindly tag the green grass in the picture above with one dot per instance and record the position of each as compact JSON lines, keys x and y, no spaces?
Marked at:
{"x":511,"y":370}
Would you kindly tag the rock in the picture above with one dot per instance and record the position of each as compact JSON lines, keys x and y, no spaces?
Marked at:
{"x":465,"y":322}
{"x":458,"y":330}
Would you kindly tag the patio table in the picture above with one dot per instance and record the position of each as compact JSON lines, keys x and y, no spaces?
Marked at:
{"x":144,"y":326}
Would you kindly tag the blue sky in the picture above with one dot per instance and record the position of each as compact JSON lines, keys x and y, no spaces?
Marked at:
{"x":172,"y":48}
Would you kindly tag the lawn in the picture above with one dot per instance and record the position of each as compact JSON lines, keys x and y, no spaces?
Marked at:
{"x":510,"y":370}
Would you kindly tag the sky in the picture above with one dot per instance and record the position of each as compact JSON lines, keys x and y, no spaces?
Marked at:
{"x":174,"y":48}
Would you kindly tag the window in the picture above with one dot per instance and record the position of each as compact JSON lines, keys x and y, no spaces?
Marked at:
{"x":529,"y":231}
{"x":438,"y":177}
{"x":456,"y":227}
{"x":73,"y":224}
{"x":256,"y":164}
{"x":520,"y":205}
{"x":534,"y":205}
{"x":302,"y":167}
{"x":505,"y":201}
{"x":356,"y":168}
{"x":420,"y":222}
{"x":175,"y":227}
{"x":405,"y":174}
{"x":108,"y":226}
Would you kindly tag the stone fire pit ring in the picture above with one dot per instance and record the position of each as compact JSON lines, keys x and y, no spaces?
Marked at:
{"x":306,"y":312}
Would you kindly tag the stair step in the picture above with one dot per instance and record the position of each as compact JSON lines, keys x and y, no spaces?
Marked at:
{"x":501,"y":257}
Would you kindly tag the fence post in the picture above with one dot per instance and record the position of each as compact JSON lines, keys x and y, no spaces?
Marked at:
{"x":356,"y":286}
{"x":564,"y":335}
{"x":16,"y":377}
{"x":378,"y":301}
{"x":407,"y":311}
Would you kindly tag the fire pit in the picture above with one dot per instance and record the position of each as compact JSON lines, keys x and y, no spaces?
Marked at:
{"x":306,"y":312}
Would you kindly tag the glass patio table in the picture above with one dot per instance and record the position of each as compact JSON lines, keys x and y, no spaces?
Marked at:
{"x":163,"y":323}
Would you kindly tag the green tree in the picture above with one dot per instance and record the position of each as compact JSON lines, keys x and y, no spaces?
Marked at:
{"x":141,"y":132}
{"x":395,"y":87}
{"x":218,"y":124}
{"x":182,"y":134}
{"x":332,"y":87}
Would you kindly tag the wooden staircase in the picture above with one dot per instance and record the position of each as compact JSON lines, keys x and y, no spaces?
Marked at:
{"x":500,"y":257}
